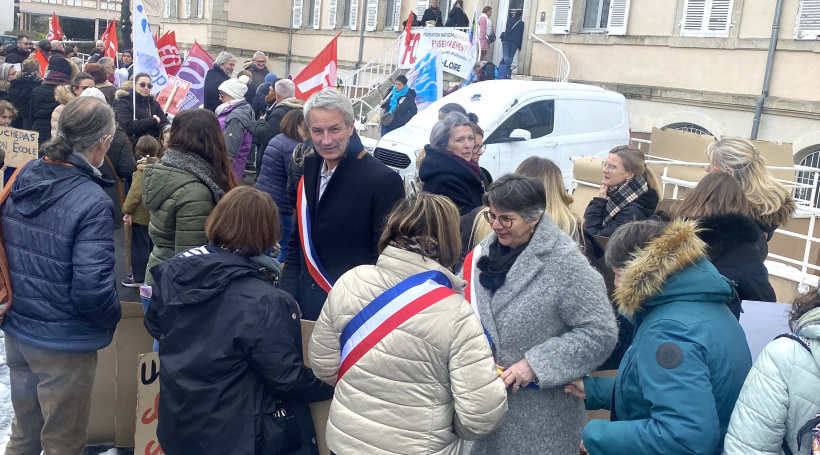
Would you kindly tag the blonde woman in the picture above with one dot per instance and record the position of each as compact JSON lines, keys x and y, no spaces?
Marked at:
{"x":770,"y":202}
{"x":629,"y":192}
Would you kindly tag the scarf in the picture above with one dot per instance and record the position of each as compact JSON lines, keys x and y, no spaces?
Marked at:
{"x":56,"y":78}
{"x":427,"y":247}
{"x":494,"y":267}
{"x":394,"y":98}
{"x":471,"y":165}
{"x":621,"y":195}
{"x":194,"y":164}
{"x":222,"y":107}
{"x":811,"y":317}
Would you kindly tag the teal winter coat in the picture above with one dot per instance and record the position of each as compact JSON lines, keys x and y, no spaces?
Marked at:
{"x":678,"y":382}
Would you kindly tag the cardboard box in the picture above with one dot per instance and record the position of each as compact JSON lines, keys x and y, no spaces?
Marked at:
{"x":146,"y":381}
{"x":114,"y":396}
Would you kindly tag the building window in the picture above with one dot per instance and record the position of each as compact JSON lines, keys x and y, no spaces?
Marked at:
{"x":808,"y":20}
{"x":596,"y":15}
{"x":111,"y":6}
{"x":187,"y":10}
{"x":348,"y":4}
{"x":200,"y":7}
{"x":707,"y":18}
{"x":690,"y":128}
{"x":812,"y":160}
{"x":73,"y":2}
{"x":167,"y":9}
{"x":390,"y":14}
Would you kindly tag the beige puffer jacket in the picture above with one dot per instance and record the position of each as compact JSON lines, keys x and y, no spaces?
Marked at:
{"x":431,"y":376}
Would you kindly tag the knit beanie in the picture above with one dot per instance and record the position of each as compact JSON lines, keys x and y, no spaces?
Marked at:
{"x":60,"y":65}
{"x":235,"y":88}
{"x":129,"y":52}
{"x":270,"y":77}
{"x":93,"y":92}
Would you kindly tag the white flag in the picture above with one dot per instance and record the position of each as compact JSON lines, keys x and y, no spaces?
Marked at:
{"x":146,"y":56}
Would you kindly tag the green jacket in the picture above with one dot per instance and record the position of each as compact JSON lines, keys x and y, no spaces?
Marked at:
{"x":179,"y":204}
{"x":133,"y":201}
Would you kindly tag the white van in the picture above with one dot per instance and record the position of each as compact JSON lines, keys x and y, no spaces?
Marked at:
{"x":554,"y":120}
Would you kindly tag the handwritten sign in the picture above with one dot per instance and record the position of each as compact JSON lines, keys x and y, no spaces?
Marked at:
{"x":458,"y":54}
{"x":172,"y":96}
{"x":145,"y":438}
{"x":20,"y":146}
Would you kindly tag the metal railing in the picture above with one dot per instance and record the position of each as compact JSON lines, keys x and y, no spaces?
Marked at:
{"x":806,"y":209}
{"x":562,"y":73}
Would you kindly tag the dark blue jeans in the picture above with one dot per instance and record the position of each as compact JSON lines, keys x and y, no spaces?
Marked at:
{"x":287,"y":229}
{"x":508,"y":52}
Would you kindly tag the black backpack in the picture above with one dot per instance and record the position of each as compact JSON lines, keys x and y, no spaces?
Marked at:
{"x":488,"y":72}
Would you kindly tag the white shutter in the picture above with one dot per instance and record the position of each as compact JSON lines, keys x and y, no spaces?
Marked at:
{"x":354,"y":13}
{"x":707,"y":18}
{"x":618,"y":15}
{"x":297,"y":14}
{"x":372,"y":15}
{"x":187,"y":12}
{"x":317,"y":10}
{"x":200,"y":7}
{"x":561,"y":17}
{"x":808,"y":20}
{"x":167,"y":9}
{"x":331,"y":15}
{"x":397,"y":18}
{"x":421,"y":5}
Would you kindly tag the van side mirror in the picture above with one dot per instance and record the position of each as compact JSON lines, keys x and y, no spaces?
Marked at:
{"x":519,"y":134}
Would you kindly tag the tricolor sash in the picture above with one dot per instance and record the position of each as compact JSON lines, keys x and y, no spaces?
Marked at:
{"x":311,"y":257}
{"x":388,"y":311}
{"x":470,"y":270}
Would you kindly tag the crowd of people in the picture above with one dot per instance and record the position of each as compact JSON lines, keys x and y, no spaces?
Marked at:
{"x":474,"y":310}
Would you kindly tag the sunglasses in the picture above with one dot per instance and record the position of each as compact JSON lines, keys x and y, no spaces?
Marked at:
{"x":146,"y":84}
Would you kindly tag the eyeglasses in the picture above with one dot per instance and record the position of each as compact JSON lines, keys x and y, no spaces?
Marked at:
{"x":505,"y":221}
{"x":146,"y":84}
{"x":259,"y":61}
{"x":221,"y":94}
{"x":608,"y":166}
{"x":480,"y":149}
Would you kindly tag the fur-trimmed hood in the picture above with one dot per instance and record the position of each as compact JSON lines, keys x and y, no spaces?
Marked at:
{"x":772,"y":221}
{"x":647,"y":279}
{"x":63,"y":94}
{"x":726,"y":232}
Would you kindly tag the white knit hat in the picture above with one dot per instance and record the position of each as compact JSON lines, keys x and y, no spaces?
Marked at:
{"x":235,"y":88}
{"x":93,"y":91}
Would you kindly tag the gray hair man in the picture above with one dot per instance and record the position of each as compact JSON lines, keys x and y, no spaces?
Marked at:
{"x":267,"y":128}
{"x":357,"y":192}
{"x":259,"y":69}
{"x":60,"y":246}
{"x":224,"y":64}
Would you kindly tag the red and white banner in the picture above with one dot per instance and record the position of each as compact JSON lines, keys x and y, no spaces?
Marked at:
{"x":169,"y":53}
{"x":54,"y":29}
{"x":319,"y":74}
{"x":458,"y":54}
{"x":110,"y":40}
{"x":172,"y":96}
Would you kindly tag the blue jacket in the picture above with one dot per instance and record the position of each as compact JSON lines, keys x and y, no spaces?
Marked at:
{"x":273,"y":176}
{"x":59,"y":231}
{"x":678,"y":382}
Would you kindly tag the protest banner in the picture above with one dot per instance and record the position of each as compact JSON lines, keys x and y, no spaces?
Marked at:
{"x":172,"y":96}
{"x":20,"y":146}
{"x":145,"y":437}
{"x":193,"y":70}
{"x":458,"y":54}
{"x":426,"y":79}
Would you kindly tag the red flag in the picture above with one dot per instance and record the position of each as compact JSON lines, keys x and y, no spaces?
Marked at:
{"x":407,"y":26}
{"x":319,"y":74}
{"x":54,"y":30}
{"x":194,"y":69}
{"x":110,"y":40}
{"x":169,"y":53}
{"x":41,"y":57}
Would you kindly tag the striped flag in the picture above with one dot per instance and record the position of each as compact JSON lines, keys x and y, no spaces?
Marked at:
{"x":474,"y":24}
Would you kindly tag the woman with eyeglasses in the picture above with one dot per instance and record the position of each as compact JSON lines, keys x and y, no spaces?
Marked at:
{"x":629,"y":192}
{"x":139,"y":114}
{"x":448,"y":168}
{"x":545,"y":311}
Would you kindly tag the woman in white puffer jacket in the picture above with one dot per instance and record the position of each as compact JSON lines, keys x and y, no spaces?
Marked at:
{"x":782,"y":391}
{"x":429,"y":383}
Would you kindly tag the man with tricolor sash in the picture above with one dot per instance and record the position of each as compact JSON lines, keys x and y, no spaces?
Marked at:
{"x":342,"y":200}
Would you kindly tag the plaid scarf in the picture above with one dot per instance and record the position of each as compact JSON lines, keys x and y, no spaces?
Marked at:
{"x":621,"y":195}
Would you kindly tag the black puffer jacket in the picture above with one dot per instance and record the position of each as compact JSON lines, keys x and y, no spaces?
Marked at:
{"x":443,"y":174}
{"x":20,"y":97}
{"x":15,"y":55}
{"x":637,"y":210}
{"x":457,"y":18}
{"x":213,"y":78}
{"x":264,"y":130}
{"x":145,"y":124}
{"x":733,"y":249}
{"x":41,"y":106}
{"x":230,"y":347}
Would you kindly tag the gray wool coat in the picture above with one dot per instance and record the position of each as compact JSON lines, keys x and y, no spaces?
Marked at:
{"x":554,"y":311}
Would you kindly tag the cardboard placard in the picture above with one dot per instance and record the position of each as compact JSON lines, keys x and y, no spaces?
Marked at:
{"x":145,"y":437}
{"x":114,"y":396}
{"x":319,"y":411}
{"x":20,"y":145}
{"x":173,"y":95}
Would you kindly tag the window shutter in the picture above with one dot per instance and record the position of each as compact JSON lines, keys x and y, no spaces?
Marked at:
{"x":372,"y":15}
{"x":317,"y":14}
{"x":707,"y":18}
{"x":187,"y":12}
{"x":397,"y":20}
{"x":167,"y":9}
{"x":421,"y":5}
{"x":200,"y":7}
{"x":297,"y":14}
{"x":561,"y":17}
{"x":331,"y":12}
{"x":618,"y":15}
{"x":354,"y":13}
{"x":808,"y":20}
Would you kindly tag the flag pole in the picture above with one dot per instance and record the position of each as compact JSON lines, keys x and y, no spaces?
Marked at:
{"x":134,"y":82}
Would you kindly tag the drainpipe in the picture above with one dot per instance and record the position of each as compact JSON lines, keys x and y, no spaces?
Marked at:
{"x":767,"y":77}
{"x":290,"y":41}
{"x":361,"y":36}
